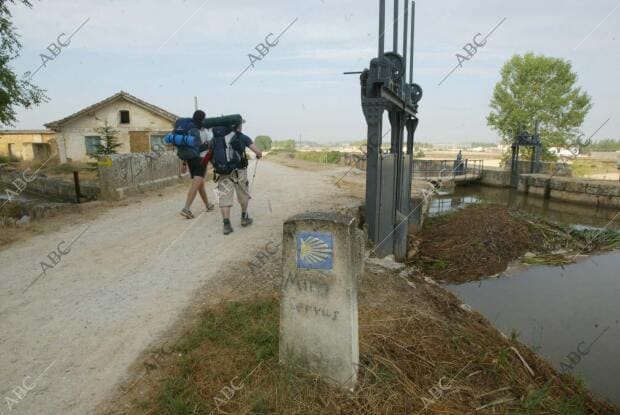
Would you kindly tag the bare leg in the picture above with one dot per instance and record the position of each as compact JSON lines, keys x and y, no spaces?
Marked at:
{"x":203,"y":194}
{"x":197,"y":183}
{"x":225,"y":212}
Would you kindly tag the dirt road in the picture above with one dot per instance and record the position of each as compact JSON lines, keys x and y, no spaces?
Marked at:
{"x":120,"y":281}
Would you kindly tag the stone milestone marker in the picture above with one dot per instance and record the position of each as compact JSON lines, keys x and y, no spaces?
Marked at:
{"x":322,"y":258}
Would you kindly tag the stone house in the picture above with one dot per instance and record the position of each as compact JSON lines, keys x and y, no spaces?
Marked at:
{"x":139,"y":126}
{"x":28,"y":144}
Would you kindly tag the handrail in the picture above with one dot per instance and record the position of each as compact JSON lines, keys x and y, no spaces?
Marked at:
{"x":448,"y":168}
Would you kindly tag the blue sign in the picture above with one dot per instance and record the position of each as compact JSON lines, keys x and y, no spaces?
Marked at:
{"x":315,"y":250}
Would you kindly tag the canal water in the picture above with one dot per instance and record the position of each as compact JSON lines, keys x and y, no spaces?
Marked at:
{"x":564,"y":213}
{"x":569,"y":315}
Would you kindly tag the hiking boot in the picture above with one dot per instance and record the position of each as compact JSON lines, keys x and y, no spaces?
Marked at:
{"x":227,"y":228}
{"x":186,"y":213}
{"x":210,"y":207}
{"x":246,"y":221}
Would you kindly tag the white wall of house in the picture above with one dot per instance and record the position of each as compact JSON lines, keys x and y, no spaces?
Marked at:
{"x":71,"y":136}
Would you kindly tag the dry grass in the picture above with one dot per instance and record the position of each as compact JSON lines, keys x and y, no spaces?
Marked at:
{"x":481,"y":240}
{"x":414,"y":341}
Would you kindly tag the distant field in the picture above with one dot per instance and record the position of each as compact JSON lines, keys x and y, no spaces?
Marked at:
{"x":595,"y":169}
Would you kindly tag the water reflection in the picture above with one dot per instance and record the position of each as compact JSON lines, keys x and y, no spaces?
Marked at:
{"x":569,"y":315}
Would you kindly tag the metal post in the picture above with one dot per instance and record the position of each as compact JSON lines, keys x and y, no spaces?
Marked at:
{"x":405,"y":38}
{"x":381,"y":27}
{"x":412,"y":41}
{"x":76,"y":181}
{"x":388,"y":176}
{"x":518,"y":167}
{"x":396,"y":26}
{"x":373,"y":178}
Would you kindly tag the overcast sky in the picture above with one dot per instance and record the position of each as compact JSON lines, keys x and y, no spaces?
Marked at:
{"x":165,"y":52}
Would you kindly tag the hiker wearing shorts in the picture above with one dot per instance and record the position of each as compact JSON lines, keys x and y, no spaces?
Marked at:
{"x":197,"y":169}
{"x":230,"y":163}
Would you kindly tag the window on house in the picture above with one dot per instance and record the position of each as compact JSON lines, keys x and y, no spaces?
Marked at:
{"x":91,"y":143}
{"x":157,"y":142}
{"x":124,"y":116}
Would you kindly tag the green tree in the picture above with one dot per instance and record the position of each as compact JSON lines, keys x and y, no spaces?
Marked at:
{"x":538,"y":88}
{"x":109,"y":142}
{"x":14,"y":92}
{"x":263,"y":142}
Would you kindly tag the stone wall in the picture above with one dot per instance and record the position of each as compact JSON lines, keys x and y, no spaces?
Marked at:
{"x":569,"y":189}
{"x":495,"y":177}
{"x":500,"y":177}
{"x":121,"y":175}
{"x":49,"y":188}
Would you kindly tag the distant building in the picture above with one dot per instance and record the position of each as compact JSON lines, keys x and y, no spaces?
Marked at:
{"x":564,"y":152}
{"x":140,"y":125}
{"x":27,"y":144}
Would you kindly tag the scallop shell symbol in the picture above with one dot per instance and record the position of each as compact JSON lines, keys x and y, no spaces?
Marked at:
{"x":314,"y":251}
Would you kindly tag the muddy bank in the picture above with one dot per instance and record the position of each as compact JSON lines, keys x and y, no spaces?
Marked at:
{"x":482,"y":240}
{"x":421,"y":352}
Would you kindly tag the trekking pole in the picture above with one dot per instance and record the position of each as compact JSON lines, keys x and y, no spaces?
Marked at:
{"x":253,"y":176}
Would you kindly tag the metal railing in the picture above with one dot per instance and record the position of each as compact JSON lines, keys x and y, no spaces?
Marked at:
{"x":461,"y":169}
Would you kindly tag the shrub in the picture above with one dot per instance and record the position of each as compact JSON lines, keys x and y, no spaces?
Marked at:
{"x":329,"y":157}
{"x":8,"y":159}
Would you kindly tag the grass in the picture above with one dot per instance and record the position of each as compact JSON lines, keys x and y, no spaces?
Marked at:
{"x":8,"y":159}
{"x":606,"y":239}
{"x":228,"y":363}
{"x":412,"y":341}
{"x":586,"y":168}
{"x":434,"y":264}
{"x":327,"y":157}
{"x":235,"y":338}
{"x":559,"y":244}
{"x":223,"y":329}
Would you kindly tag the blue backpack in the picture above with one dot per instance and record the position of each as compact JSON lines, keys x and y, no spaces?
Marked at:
{"x":228,"y":151}
{"x":186,"y":139}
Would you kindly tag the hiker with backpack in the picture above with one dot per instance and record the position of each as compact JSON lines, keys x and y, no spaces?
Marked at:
{"x":230,"y":164}
{"x":191,"y":140}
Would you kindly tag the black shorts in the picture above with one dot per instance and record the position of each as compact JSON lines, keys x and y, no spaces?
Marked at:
{"x":195,"y":167}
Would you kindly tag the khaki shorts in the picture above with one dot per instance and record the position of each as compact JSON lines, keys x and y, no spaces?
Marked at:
{"x":227,"y":184}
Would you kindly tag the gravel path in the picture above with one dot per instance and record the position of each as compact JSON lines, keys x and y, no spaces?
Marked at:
{"x":68,"y":336}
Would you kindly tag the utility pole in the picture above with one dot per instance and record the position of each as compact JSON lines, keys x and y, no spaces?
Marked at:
{"x":195,"y":103}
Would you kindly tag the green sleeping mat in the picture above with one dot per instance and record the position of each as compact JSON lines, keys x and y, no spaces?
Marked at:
{"x":223,"y":121}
